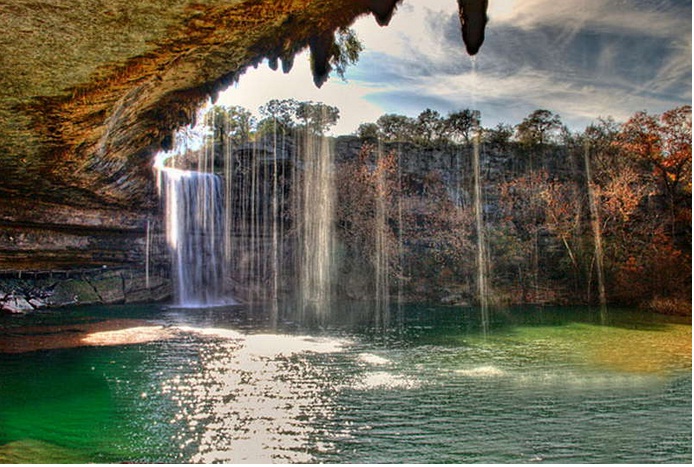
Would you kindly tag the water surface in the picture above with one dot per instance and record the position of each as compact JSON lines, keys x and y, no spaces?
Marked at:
{"x":419,"y":384}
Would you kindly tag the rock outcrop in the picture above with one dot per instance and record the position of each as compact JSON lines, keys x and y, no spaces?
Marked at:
{"x":90,"y":90}
{"x":27,"y":292}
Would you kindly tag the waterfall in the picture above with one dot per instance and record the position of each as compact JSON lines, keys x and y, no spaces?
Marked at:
{"x":194,"y":210}
{"x":231,"y":232}
{"x":316,"y":222}
{"x":597,"y":234}
{"x":482,"y":259}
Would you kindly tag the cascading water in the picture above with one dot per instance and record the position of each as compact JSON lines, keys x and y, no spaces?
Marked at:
{"x":316,"y":236}
{"x":194,"y":205}
{"x":597,"y":234}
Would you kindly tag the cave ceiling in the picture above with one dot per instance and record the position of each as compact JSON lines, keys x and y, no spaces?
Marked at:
{"x":89,"y":89}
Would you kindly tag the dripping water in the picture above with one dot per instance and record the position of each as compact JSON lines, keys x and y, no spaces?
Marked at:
{"x":228,"y":198}
{"x":482,"y":256}
{"x":597,"y":235}
{"x":401,"y":246}
{"x":148,"y":247}
{"x":382,"y":251}
{"x":275,"y":265}
{"x":316,"y":222}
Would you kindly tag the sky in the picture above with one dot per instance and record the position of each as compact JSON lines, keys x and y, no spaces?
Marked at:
{"x":581,"y":59}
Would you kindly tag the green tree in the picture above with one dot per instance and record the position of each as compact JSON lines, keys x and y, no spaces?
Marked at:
{"x":393,"y":127}
{"x":278,"y":116}
{"x":368,"y":131}
{"x":333,"y":51}
{"x":499,"y":136}
{"x":428,"y":127}
{"x":461,"y":125}
{"x":317,"y":117}
{"x":233,"y":124}
{"x":346,"y":50}
{"x":539,"y":128}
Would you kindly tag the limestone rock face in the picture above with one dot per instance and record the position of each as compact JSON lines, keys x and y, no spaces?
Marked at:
{"x":90,"y":90}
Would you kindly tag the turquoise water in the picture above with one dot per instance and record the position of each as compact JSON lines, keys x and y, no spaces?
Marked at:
{"x":251,"y":385}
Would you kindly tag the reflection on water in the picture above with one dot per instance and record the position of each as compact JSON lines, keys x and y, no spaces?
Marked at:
{"x":232,"y":386}
{"x":254,"y":397}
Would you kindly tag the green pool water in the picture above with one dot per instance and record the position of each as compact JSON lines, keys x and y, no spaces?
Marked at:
{"x":421,"y":385}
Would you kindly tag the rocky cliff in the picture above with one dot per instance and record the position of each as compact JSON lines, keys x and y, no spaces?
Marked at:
{"x":89,"y":90}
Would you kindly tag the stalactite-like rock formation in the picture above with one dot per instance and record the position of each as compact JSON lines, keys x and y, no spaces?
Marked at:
{"x":90,"y":90}
{"x":473,"y":20}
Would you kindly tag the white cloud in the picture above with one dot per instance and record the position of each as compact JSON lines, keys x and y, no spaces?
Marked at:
{"x":582,"y":59}
{"x":644,"y":18}
{"x":509,"y":98}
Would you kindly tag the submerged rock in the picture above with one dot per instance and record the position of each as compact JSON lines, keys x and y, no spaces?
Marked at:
{"x":99,"y":333}
{"x":28,"y":451}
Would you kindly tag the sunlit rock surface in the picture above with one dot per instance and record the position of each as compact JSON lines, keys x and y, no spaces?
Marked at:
{"x":99,"y":333}
{"x":88,"y":89}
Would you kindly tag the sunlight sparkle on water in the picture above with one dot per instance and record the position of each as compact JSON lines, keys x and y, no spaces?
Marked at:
{"x":206,"y":390}
{"x":254,"y":396}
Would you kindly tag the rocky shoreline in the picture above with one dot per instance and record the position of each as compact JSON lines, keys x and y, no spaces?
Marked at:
{"x":27,"y":291}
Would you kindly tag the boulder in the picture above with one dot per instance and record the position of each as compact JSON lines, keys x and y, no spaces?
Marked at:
{"x":15,"y":304}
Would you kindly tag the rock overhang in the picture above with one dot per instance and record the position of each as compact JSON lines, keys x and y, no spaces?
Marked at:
{"x":91,"y":90}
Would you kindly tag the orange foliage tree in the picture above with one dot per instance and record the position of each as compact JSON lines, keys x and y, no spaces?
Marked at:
{"x":367,"y":190}
{"x":664,"y":144}
{"x":657,"y":248}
